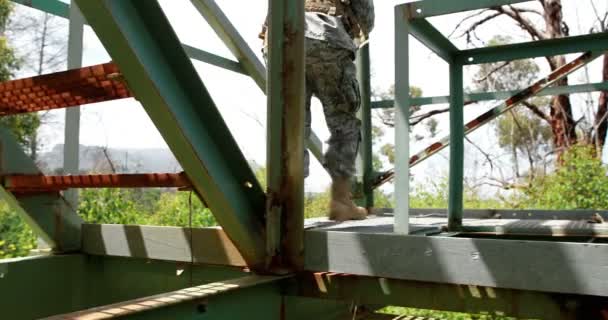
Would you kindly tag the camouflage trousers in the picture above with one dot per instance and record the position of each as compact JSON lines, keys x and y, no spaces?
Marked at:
{"x":331,"y":76}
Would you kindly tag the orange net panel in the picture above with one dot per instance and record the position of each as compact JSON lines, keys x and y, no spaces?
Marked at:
{"x":63,"y":89}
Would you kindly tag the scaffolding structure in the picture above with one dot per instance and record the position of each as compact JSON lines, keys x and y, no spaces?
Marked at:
{"x":266,"y":261}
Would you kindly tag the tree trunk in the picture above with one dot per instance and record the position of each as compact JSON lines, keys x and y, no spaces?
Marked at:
{"x":562,"y":122}
{"x":601,"y":119}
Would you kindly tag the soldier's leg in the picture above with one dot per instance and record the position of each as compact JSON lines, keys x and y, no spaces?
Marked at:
{"x":307,"y":129}
{"x":335,"y":84}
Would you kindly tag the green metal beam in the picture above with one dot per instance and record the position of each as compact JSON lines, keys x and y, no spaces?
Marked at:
{"x":431,"y":8}
{"x":541,"y":48}
{"x":49,"y":215}
{"x":457,"y":133}
{"x":54,"y":7}
{"x":402,"y":124}
{"x":71,"y":146}
{"x":215,"y":60}
{"x":433,"y":39}
{"x":365,"y":169}
{"x":232,"y":39}
{"x":497,"y":95}
{"x":285,"y":146}
{"x":140,"y":40}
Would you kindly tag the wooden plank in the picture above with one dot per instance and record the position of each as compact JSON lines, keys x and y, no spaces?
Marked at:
{"x":148,"y":304}
{"x":576,"y":268}
{"x":207,"y":245}
{"x":507,"y":214}
{"x":441,"y":297}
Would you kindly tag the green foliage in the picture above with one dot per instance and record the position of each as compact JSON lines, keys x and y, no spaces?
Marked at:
{"x":16,"y":238}
{"x":106,"y":206}
{"x":580,"y":182}
{"x":438,"y":315}
{"x":434,"y":194}
{"x":118,"y":206}
{"x":176,"y":209}
{"x":521,"y":130}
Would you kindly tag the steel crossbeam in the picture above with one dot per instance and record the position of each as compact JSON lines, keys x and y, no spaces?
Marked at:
{"x":141,"y":41}
{"x":49,"y":215}
{"x":503,"y":107}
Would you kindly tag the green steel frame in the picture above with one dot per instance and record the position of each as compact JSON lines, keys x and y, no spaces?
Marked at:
{"x":264,"y":231}
{"x":411,"y":20}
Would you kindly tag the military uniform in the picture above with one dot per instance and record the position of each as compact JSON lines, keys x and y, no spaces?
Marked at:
{"x":331,"y":29}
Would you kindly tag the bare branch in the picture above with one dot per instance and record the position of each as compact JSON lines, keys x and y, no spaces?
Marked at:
{"x":524,"y":22}
{"x":476,"y":14}
{"x":422,"y":117}
{"x":537,"y":111}
{"x":486,"y":155}
{"x":475,"y":25}
{"x":484,"y":78}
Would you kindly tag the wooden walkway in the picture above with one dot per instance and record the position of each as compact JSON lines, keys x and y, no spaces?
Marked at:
{"x":432,"y":224}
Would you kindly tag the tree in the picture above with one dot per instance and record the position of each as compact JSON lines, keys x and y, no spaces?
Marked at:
{"x":43,"y":49}
{"x":526,"y":129}
{"x":552,"y":26}
{"x":22,"y":126}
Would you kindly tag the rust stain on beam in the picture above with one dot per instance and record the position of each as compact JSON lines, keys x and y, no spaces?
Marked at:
{"x":65,"y":89}
{"x":40,"y":183}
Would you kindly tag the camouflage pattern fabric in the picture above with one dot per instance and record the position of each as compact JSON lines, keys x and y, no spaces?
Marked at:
{"x":331,"y":76}
{"x":324,"y":27}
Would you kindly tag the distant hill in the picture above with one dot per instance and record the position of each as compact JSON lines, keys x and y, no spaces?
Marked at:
{"x":94,"y":159}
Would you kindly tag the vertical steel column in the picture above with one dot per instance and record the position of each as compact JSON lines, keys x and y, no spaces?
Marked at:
{"x":71,"y":148}
{"x":285,"y":148}
{"x":455,"y":196}
{"x":402,"y":115}
{"x":365,"y":168}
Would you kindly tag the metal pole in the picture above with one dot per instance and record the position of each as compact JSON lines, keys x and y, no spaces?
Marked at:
{"x":402,"y":115}
{"x":364,"y":159}
{"x":72,"y":115}
{"x":455,"y":196}
{"x":285,"y":148}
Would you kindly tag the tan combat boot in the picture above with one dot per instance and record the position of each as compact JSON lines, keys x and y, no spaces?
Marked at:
{"x":341,"y":207}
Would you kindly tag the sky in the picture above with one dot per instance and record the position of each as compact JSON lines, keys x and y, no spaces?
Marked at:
{"x":124,"y":123}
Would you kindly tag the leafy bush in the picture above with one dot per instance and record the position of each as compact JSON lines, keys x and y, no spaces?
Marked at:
{"x":580,"y":182}
{"x":16,"y":237}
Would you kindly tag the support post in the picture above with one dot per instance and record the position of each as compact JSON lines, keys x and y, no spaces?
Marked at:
{"x":455,"y":196}
{"x":285,"y":147}
{"x":402,"y":115}
{"x":365,"y":168}
{"x":71,"y":148}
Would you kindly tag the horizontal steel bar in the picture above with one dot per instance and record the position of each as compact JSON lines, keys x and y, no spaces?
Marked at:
{"x":437,"y":296}
{"x":580,"y":215}
{"x":37,"y":183}
{"x":431,"y":8}
{"x":212,"y":59}
{"x":426,"y":33}
{"x":63,"y":89}
{"x":545,"y":266}
{"x":498,"y":95}
{"x":540,"y":48}
{"x":201,"y":245}
{"x":166,"y":300}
